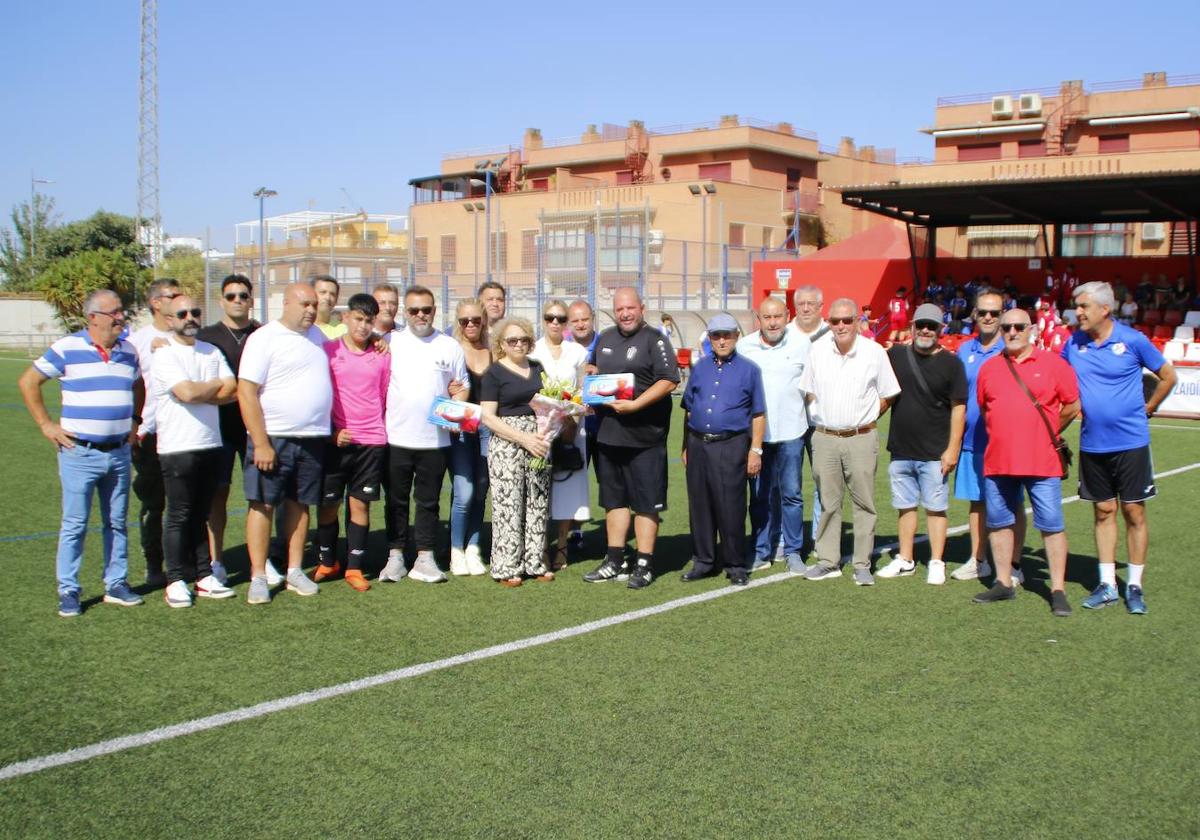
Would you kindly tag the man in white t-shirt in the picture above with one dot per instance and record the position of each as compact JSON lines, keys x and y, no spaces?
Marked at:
{"x":286,"y":397}
{"x":809,"y":326}
{"x":148,"y":481}
{"x":190,"y":379}
{"x":427,"y":364}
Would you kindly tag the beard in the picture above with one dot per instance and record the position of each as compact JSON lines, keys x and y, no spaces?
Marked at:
{"x":189,"y":329}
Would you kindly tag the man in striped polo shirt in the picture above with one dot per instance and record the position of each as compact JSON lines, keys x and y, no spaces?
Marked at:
{"x":102,"y":392}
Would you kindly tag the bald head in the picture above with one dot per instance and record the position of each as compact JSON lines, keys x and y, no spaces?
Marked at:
{"x":772,"y":319}
{"x":628,"y":309}
{"x":299,"y":306}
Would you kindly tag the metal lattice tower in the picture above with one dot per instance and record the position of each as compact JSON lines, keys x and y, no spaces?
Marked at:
{"x":149,"y":218}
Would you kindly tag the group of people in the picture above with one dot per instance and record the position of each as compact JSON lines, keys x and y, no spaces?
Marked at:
{"x":336,"y":417}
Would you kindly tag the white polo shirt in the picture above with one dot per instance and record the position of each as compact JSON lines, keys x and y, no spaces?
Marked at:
{"x":422,"y":368}
{"x":847,"y":387}
{"x":292,"y":374}
{"x":781,"y":366}
{"x":141,"y":339}
{"x":187,"y":427}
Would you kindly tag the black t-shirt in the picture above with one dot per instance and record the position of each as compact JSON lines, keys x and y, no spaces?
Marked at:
{"x":649,"y":356}
{"x":510,"y":392}
{"x":920,"y":427}
{"x":230,"y":342}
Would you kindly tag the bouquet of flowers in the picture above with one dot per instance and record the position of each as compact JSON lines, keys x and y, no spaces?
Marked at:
{"x":555,"y":404}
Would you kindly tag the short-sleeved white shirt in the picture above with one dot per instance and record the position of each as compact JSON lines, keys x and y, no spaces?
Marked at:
{"x":782,"y":365}
{"x":292,"y":374}
{"x":187,"y":427}
{"x":422,"y":368}
{"x":847,"y":387}
{"x":141,"y":339}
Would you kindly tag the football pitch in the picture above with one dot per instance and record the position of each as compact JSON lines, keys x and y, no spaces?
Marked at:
{"x":789,"y":708}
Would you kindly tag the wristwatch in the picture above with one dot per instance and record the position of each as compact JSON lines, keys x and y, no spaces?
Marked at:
{"x":756,"y":450}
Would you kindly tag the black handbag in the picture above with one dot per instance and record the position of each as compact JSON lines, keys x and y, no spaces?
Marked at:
{"x":564,"y":456}
{"x":1065,"y":456}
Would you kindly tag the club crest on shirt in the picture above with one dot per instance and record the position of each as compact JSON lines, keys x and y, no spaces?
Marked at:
{"x":1118,"y":348}
{"x":630,"y":353}
{"x":971,"y":359}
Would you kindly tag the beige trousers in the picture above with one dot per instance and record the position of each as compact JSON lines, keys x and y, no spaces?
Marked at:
{"x":841,"y":464}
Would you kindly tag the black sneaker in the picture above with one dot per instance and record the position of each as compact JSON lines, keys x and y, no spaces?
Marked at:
{"x":738,"y":578}
{"x":608,"y":570}
{"x":1059,"y":605}
{"x":641,"y":576}
{"x":155,"y":579}
{"x":998,"y":592}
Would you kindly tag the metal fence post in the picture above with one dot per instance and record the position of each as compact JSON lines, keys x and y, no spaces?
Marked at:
{"x":591,"y":270}
{"x":642,"y":267}
{"x":725,"y":276}
{"x":539,"y":277}
{"x":684,"y":302}
{"x":445,"y":298}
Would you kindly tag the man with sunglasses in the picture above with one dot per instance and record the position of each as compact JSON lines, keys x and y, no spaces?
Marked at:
{"x":229,"y":336}
{"x":102,"y":393}
{"x":191,"y":378}
{"x":924,"y":439}
{"x":849,"y":384}
{"x":1025,"y":394}
{"x":148,"y":478}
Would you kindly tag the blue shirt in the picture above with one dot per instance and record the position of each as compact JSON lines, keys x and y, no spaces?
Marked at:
{"x":1110,"y":387}
{"x":973,"y":355}
{"x":781,"y":366}
{"x":723,"y":396}
{"x":97,"y":393}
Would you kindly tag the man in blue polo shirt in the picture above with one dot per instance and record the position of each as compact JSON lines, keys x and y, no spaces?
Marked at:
{"x":724,"y":424}
{"x":1114,"y":443}
{"x":102,"y":395}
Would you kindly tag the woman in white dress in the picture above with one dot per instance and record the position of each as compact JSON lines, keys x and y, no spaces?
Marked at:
{"x":564,"y":360}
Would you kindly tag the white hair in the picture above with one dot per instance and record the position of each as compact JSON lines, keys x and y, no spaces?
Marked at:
{"x":92,"y":302}
{"x":845,"y":302}
{"x":812,"y":290}
{"x":1100,"y":293}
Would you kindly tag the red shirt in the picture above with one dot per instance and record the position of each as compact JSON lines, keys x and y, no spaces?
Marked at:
{"x":1017,"y":439}
{"x":898,"y":313}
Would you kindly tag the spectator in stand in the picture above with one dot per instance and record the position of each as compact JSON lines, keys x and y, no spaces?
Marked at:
{"x":191,"y":378}
{"x":494,"y":299}
{"x":467,"y":455}
{"x":897,"y":314}
{"x":866,"y":325}
{"x":1181,"y":295}
{"x":521,"y":503}
{"x":1022,"y":391}
{"x":668,"y":328}
{"x":1066,"y":287}
{"x":327,"y":297}
{"x":959,"y":305}
{"x":1120,"y":290}
{"x":388,"y":298}
{"x":1058,"y":336}
{"x":1115,"y":463}
{"x":1162,"y":292}
{"x":1009,"y":300}
{"x":935,"y":290}
{"x":1144,"y":293}
{"x":1129,"y":310}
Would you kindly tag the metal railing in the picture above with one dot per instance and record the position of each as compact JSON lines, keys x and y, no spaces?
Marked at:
{"x":1056,"y":90}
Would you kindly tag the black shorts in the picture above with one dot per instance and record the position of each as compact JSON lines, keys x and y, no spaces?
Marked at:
{"x":632,"y":477}
{"x":297,"y":474}
{"x":358,"y":469}
{"x":1127,"y":475}
{"x":230,"y":452}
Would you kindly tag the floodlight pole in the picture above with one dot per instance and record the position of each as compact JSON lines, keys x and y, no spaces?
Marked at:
{"x":487,"y":180}
{"x":33,"y":182}
{"x":262,"y":194}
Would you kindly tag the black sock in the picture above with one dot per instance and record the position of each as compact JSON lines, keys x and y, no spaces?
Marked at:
{"x":356,"y":544}
{"x":616,"y":554}
{"x":327,"y":536}
{"x":644,"y":559}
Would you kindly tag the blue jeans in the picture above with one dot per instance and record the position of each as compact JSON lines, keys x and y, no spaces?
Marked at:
{"x":468,"y":489}
{"x":83,"y":472}
{"x":777,"y":501}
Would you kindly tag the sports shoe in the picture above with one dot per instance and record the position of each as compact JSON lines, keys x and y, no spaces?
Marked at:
{"x":425,"y":569}
{"x":641,"y":576}
{"x":819,"y":571}
{"x":608,"y":570}
{"x":937,"y":572}
{"x":1104,"y":595}
{"x":273,"y":576}
{"x":458,"y":562}
{"x":795,"y":564}
{"x":1135,"y":601}
{"x":322,"y":571}
{"x":299,"y":583}
{"x":259,"y":592}
{"x":220,"y":573}
{"x":898,"y":568}
{"x":121,"y":595}
{"x":574,"y":540}
{"x":474,"y":561}
{"x":760,"y":565}
{"x":1018,"y":577}
{"x":394,"y":571}
{"x":968,"y":571}
{"x":354,"y":577}
{"x":1059,"y":605}
{"x":997,"y":592}
{"x":177,"y":595}
{"x":863,"y":577}
{"x":210,"y":587}
{"x":68,"y":604}
{"x":738,"y":578}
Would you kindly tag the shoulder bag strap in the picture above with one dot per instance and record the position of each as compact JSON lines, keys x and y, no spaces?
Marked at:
{"x":1054,"y":438}
{"x":910,"y":356}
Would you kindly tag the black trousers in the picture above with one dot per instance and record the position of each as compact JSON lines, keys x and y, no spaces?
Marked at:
{"x":190,"y":480}
{"x":716,"y":484}
{"x":148,"y":487}
{"x":418,"y":472}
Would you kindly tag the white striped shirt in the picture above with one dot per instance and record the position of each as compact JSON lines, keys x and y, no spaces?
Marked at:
{"x":97,"y":395}
{"x":847,"y":387}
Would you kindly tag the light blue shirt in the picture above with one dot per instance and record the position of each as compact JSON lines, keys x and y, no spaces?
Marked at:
{"x":781,"y":367}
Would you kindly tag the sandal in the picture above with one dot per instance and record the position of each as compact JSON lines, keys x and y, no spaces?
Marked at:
{"x":560,"y":560}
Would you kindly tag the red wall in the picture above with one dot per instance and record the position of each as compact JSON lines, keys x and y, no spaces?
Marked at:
{"x":865,"y":281}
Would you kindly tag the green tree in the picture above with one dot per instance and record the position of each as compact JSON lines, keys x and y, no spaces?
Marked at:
{"x":22,"y":254}
{"x":68,"y":281}
{"x":186,"y":265}
{"x":101,"y":230}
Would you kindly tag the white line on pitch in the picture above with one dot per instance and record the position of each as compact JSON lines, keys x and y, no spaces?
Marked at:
{"x":178,"y":730}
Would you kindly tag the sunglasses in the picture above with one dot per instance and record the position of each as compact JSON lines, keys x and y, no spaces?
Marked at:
{"x":195,"y":312}
{"x":845,"y":321}
{"x":231,"y":296}
{"x":555,"y":319}
{"x":517,"y":341}
{"x":720,"y":335}
{"x":116,"y":314}
{"x":1017,"y":328}
{"x":419,"y":310}
{"x":470,"y":322}
{"x":931,"y":326}
{"x":983,"y":313}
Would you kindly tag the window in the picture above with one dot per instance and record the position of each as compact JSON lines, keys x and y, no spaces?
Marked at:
{"x":499,"y":250}
{"x":979,"y":151}
{"x":737,"y":234}
{"x":716,"y":171}
{"x":793,"y":180}
{"x":620,"y":245}
{"x":528,"y":250}
{"x":421,"y":254}
{"x":349,"y":274}
{"x":540,"y":184}
{"x":1102,"y":240}
{"x":1114,"y":143}
{"x":625,"y":177}
{"x":566,"y":248}
{"x":449,"y":254}
{"x":1031,"y":148}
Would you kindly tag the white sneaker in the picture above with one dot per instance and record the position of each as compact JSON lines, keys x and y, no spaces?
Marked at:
{"x":425,"y":569}
{"x":1018,"y":578}
{"x":273,"y":576}
{"x":300,"y":583}
{"x":177,"y":595}
{"x":394,"y":571}
{"x":210,"y":587}
{"x":458,"y":562}
{"x":474,"y":561}
{"x":967,"y":571}
{"x":897,"y":568}
{"x":937,"y":572}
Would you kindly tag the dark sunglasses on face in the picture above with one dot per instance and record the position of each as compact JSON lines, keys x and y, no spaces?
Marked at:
{"x":555,"y":319}
{"x":231,"y":296}
{"x":517,"y":341}
{"x":931,"y":326}
{"x":420,"y":310}
{"x":1017,"y":328}
{"x":846,"y":321}
{"x":470,"y":322}
{"x":196,"y":312}
{"x":983,"y":313}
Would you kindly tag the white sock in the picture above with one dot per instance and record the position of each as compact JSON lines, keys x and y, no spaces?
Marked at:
{"x":1135,"y":574}
{"x":1108,"y":573}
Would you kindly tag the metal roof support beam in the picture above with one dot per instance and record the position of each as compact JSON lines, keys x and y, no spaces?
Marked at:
{"x":912,"y":255}
{"x":1009,"y":208}
{"x":930,"y":254}
{"x":1162,"y":205}
{"x":907,"y":217}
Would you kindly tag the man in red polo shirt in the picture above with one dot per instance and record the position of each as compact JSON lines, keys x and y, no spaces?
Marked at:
{"x":1021,"y":455}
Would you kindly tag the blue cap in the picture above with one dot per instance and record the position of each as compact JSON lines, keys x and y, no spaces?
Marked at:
{"x":723,"y":322}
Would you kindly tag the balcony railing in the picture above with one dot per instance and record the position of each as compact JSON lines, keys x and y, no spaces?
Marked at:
{"x":1045,"y":92}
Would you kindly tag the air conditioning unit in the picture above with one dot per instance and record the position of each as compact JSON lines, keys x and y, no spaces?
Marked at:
{"x":1154,"y":231}
{"x":656,"y":261}
{"x":1002,"y":107}
{"x":654,"y":238}
{"x":1030,"y":105}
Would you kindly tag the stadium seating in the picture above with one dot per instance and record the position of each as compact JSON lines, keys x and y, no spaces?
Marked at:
{"x":1192,"y":319}
{"x":1162,"y":332}
{"x":1193,"y":352}
{"x":1185,"y":333}
{"x":1172,"y":318}
{"x":1174,"y":351}
{"x":1152,"y":317}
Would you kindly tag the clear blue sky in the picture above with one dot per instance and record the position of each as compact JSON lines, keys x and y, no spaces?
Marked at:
{"x":308,"y":98}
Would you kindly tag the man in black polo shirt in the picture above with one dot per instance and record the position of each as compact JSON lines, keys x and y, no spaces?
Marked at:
{"x":631,"y":451}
